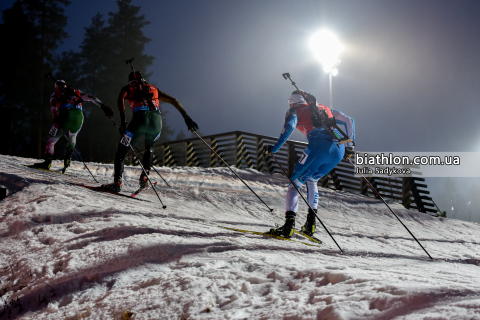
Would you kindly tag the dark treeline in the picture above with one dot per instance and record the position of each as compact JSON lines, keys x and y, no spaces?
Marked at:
{"x":30,"y":33}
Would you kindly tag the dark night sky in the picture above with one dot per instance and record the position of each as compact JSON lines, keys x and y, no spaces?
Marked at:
{"x":409,"y":73}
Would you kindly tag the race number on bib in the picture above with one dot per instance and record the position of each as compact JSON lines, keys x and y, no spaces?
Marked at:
{"x":53,"y":131}
{"x":126,"y":138}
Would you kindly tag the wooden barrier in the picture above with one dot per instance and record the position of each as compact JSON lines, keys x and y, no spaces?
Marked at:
{"x":245,"y":150}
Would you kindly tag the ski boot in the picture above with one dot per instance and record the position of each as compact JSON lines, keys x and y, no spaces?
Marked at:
{"x":116,"y":186}
{"x":285,"y":231}
{"x":46,"y":164}
{"x":66,"y":160}
{"x":143,"y":182}
{"x":309,"y":226}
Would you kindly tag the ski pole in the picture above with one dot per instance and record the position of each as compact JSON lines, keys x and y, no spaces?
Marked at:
{"x":306,"y":202}
{"x":220,"y":158}
{"x":144,"y":171}
{"x":371,"y":187}
{"x":69,"y":141}
{"x":437,"y":207}
{"x":153,"y":167}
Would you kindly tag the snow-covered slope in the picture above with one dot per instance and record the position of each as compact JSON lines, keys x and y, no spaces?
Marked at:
{"x":71,"y":253}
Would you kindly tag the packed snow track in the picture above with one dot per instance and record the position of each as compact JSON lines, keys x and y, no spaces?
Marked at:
{"x":68,"y":252}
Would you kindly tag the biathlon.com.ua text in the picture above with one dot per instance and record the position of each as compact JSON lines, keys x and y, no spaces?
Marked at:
{"x":389,"y":160}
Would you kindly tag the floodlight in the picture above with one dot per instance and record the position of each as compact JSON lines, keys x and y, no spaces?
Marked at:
{"x":326,"y":48}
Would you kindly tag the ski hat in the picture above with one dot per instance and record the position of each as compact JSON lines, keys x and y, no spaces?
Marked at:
{"x":60,"y":84}
{"x":296,"y":97}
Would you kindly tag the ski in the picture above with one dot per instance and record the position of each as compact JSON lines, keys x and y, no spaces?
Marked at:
{"x":311,"y":238}
{"x":142,"y":189}
{"x":100,"y":189}
{"x":47,"y":170}
{"x":269,"y":235}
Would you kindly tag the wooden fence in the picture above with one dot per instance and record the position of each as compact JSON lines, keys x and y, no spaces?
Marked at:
{"x":245,"y":150}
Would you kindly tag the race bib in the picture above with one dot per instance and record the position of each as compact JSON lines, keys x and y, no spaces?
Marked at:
{"x":126,"y":138}
{"x":53,"y":131}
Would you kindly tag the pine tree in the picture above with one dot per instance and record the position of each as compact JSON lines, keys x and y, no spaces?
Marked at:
{"x":127,"y":41}
{"x":50,"y":21}
{"x":20,"y":69}
{"x":101,"y":137}
{"x":94,"y":53}
{"x":31,"y":32}
{"x":103,"y":52}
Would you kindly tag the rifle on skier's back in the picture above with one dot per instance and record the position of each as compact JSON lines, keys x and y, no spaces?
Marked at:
{"x":143,"y":95}
{"x":319,"y":117}
{"x":65,"y":88}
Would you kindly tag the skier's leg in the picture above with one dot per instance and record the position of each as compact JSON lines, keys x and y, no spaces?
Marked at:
{"x":70,"y":148}
{"x":136,"y":130}
{"x":318,"y":159}
{"x":152,"y":133}
{"x":132,"y":136}
{"x":299,"y":177}
{"x":312,"y":192}
{"x":73,"y":121}
{"x":312,"y":196}
{"x":53,"y":135}
{"x":304,"y":169}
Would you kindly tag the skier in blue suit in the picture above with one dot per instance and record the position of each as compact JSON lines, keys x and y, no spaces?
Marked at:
{"x":321,"y":155}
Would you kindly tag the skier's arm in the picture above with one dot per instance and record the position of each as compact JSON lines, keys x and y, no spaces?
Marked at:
{"x":348,"y":122}
{"x":121,"y":104}
{"x":53,"y":107}
{"x":191,"y":125}
{"x":291,"y":121}
{"x":90,"y":98}
{"x":174,"y":102}
{"x":87,"y":97}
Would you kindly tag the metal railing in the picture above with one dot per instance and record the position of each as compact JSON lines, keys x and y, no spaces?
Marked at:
{"x":245,"y":150}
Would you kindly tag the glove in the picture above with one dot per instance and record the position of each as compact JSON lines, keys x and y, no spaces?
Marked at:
{"x":267,"y":149}
{"x":348,"y":153}
{"x":107,"y":110}
{"x":123,"y":128}
{"x":191,"y":125}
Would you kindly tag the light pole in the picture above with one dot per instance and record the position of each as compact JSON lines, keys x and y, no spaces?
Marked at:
{"x":453,"y":209}
{"x":327,"y":48}
{"x":469,"y":211}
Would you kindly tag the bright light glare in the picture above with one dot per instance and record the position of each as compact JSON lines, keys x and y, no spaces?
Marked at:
{"x":326,"y":47}
{"x":334,"y":72}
